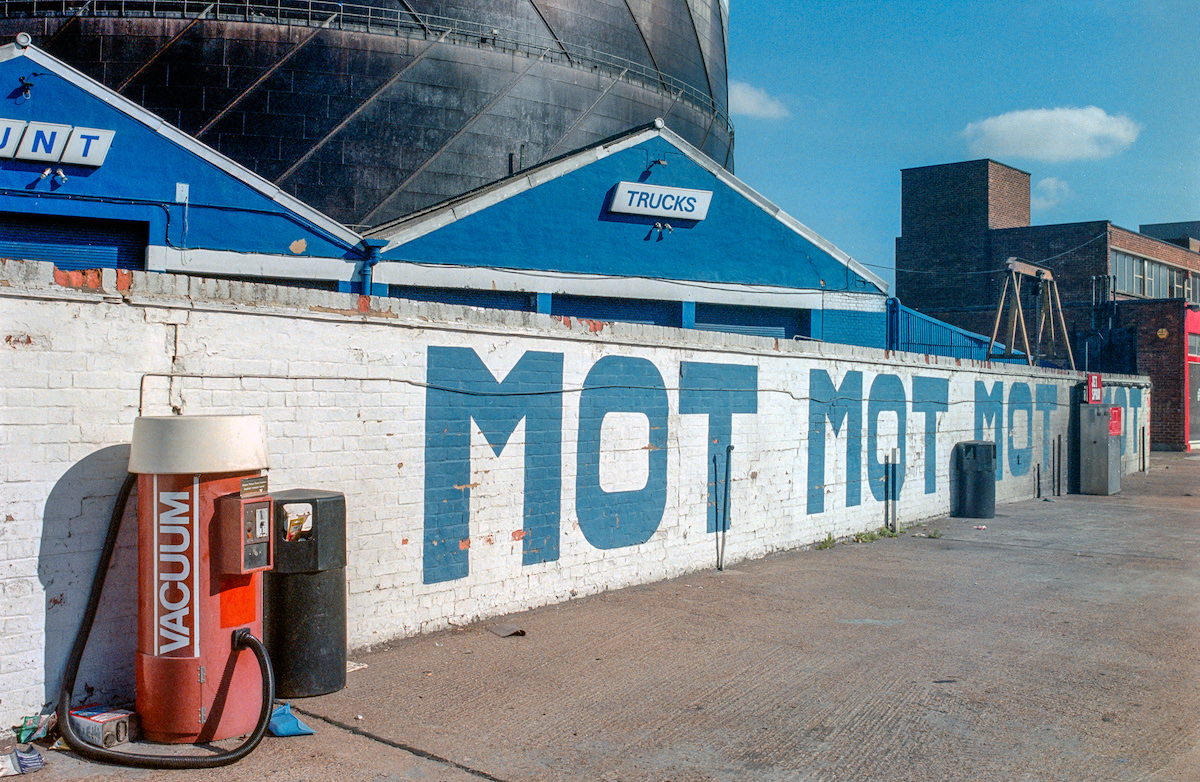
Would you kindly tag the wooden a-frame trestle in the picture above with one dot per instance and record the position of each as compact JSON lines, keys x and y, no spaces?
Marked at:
{"x":1051,"y":326}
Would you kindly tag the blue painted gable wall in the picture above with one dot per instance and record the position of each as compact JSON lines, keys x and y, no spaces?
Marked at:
{"x":564,"y":225}
{"x":137,"y":180}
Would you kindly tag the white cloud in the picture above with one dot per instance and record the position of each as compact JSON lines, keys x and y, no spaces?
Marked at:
{"x":751,"y":101}
{"x":1049,"y":193}
{"x":1053,"y":135}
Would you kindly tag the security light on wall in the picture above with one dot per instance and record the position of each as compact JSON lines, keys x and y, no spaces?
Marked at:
{"x":26,"y":89}
{"x":662,"y":161}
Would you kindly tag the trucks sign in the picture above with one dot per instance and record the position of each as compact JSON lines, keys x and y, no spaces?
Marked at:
{"x":680,"y":203}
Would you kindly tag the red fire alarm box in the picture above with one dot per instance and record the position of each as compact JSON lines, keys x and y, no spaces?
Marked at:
{"x":242,"y":534}
{"x":1114,"y":422}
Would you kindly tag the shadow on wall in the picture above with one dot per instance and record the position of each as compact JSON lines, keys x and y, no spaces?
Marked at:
{"x":74,"y":525}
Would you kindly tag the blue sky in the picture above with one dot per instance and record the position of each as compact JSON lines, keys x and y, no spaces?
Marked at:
{"x":1099,"y":101}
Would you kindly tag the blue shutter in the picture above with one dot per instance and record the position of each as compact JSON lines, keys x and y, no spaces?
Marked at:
{"x":777,"y":322}
{"x":74,"y":243}
{"x":647,"y":312}
{"x":499,"y":300}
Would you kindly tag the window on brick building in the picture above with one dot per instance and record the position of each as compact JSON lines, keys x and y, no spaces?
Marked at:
{"x":1136,"y":276}
{"x":1179,"y":279}
{"x":1122,"y":268}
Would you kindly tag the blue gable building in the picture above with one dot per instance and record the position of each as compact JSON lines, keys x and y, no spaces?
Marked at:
{"x":641,"y":228}
{"x":88,"y":179}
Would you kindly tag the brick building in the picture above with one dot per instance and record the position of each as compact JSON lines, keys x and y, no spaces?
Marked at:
{"x":961,"y":223}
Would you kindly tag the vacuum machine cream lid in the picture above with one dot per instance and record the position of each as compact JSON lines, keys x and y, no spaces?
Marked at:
{"x":192,"y":444}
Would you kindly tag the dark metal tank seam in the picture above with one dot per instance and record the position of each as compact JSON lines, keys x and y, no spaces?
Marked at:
{"x":674,"y":103}
{"x":711,"y":121}
{"x":75,"y":16}
{"x":166,"y":46}
{"x":700,"y":49}
{"x":552,"y":32}
{"x":645,"y":42}
{"x":416,"y":17}
{"x":262,"y":78}
{"x":550,"y":152}
{"x":350,"y":117}
{"x":458,"y":134}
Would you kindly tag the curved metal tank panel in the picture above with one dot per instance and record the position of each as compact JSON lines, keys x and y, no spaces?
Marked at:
{"x":371,"y":112}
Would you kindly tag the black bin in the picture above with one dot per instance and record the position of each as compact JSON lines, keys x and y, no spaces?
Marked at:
{"x":973,"y":467}
{"x":305,"y":594}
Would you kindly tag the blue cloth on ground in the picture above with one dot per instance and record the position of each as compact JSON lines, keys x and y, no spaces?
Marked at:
{"x":284,"y":723}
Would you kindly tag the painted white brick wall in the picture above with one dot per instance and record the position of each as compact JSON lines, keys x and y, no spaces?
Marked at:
{"x":854,"y":302}
{"x":342,"y":391}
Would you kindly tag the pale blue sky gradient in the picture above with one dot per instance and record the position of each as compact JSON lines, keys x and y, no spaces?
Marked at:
{"x":848,"y":92}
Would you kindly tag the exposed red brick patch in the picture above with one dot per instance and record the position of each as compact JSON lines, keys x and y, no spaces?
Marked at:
{"x":124,"y":280}
{"x":360,"y":309}
{"x":518,"y":534}
{"x":594,"y":326}
{"x":18,"y":341}
{"x":87,"y":278}
{"x":464,"y":544}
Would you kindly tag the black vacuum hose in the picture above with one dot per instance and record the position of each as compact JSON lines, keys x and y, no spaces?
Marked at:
{"x":242,"y":639}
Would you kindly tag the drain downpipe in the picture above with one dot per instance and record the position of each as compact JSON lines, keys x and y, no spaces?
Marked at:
{"x":722,"y":507}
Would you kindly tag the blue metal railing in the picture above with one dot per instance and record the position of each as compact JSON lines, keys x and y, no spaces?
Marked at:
{"x":914,"y":332}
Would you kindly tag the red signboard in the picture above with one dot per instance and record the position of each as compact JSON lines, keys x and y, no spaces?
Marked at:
{"x":1114,"y":421}
{"x":1094,"y":392}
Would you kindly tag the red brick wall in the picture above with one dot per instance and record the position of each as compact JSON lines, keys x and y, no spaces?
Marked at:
{"x":945,"y":214}
{"x":1146,"y":247}
{"x":961,"y":222}
{"x":1164,"y":359}
{"x":968,"y":296}
{"x":1073,"y":252}
{"x":1008,"y":204}
{"x":944,"y":200}
{"x":1192,"y":323}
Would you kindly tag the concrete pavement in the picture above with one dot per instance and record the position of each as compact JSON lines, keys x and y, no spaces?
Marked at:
{"x":1061,"y":642}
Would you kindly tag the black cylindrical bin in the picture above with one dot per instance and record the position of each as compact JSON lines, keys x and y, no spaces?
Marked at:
{"x":974,"y":466}
{"x":305,"y":593}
